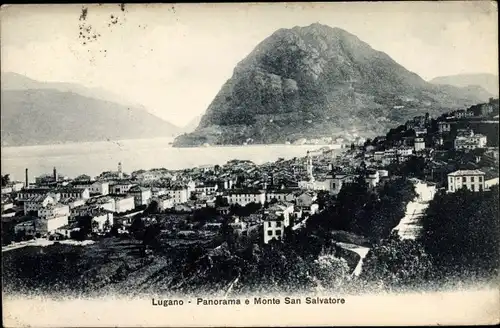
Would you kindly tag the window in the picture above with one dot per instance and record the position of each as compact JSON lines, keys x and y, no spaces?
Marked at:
{"x":480,"y":179}
{"x":278,"y":224}
{"x":472,"y":179}
{"x":278,"y":232}
{"x":464,"y":179}
{"x":472,"y":188}
{"x":269,"y":224}
{"x":269,"y":232}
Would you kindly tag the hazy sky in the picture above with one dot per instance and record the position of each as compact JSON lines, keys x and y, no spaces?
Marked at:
{"x":174,"y":59}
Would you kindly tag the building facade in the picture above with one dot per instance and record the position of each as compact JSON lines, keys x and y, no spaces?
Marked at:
{"x":470,"y":179}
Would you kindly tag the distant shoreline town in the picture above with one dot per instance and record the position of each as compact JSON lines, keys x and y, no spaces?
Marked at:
{"x":328,"y":211}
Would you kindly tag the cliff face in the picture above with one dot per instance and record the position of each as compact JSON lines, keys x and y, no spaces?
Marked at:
{"x":317,"y":81}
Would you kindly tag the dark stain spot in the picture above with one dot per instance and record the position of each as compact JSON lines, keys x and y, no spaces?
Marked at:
{"x":112,"y":16}
{"x":83,"y":15}
{"x":122,"y":6}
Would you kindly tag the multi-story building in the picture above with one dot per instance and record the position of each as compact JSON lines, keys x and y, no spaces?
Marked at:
{"x":281,"y":208}
{"x":27,"y":193}
{"x":274,"y":226}
{"x":403,"y":153}
{"x":178,"y":194}
{"x":124,"y":204}
{"x":67,"y":192}
{"x":419,"y":144}
{"x":378,"y":155}
{"x":164,"y":202}
{"x":94,"y":187}
{"x":470,"y":179}
{"x":390,"y":156}
{"x":470,"y":141}
{"x":246,"y":196}
{"x":121,"y":188}
{"x":287,"y":195}
{"x":207,"y":188}
{"x":36,"y":202}
{"x":41,"y":227}
{"x":53,"y":210}
{"x":141,"y":195}
{"x":444,"y":126}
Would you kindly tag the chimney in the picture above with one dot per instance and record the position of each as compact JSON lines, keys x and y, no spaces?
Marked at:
{"x":26,"y":183}
{"x":55,"y":174}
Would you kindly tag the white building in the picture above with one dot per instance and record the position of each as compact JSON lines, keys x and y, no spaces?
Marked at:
{"x":34,"y":203}
{"x":390,"y":157}
{"x":287,"y":195}
{"x":315,"y":185}
{"x":490,"y":182}
{"x":164,"y":202}
{"x":378,"y":155}
{"x":372,"y":178}
{"x":404,"y":151}
{"x":470,"y":141}
{"x":141,"y":195}
{"x":124,"y":204}
{"x":444,"y":127}
{"x":244,"y":197}
{"x":102,"y":219}
{"x":65,"y":193}
{"x":121,"y":188}
{"x":419,"y":144}
{"x":27,"y":193}
{"x":274,"y":227}
{"x":53,"y":210}
{"x":207,"y":188}
{"x":179,"y":194}
{"x":41,"y":226}
{"x":71,"y":202}
{"x":94,"y":187}
{"x":281,"y":208}
{"x":470,"y":179}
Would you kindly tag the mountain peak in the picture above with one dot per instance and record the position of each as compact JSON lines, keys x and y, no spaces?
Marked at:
{"x":316,"y":80}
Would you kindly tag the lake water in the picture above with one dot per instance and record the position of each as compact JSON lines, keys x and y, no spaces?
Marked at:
{"x":92,"y":158}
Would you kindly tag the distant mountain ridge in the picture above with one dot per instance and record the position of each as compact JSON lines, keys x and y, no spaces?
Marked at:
{"x":317,"y":81}
{"x":15,"y":81}
{"x":488,"y":82}
{"x":34,"y":112}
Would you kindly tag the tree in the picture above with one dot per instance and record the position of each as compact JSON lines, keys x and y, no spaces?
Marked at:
{"x":221,"y":201}
{"x":5,"y":180}
{"x":152,"y":208}
{"x":330,"y":271}
{"x":137,"y":227}
{"x":397,"y":263}
{"x":469,"y":220}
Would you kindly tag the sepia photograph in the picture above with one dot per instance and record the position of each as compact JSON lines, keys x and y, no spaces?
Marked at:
{"x":250,"y":164}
